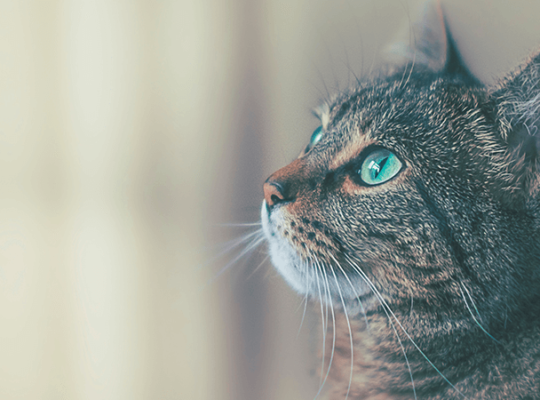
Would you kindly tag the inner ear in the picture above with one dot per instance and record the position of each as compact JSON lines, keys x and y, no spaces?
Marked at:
{"x":427,"y":43}
{"x":517,"y":102}
{"x":525,"y":147}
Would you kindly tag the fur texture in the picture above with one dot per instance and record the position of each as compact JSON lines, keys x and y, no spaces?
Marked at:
{"x":433,"y":277}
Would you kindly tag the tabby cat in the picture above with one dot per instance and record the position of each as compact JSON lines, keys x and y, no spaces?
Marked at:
{"x":413,"y":216}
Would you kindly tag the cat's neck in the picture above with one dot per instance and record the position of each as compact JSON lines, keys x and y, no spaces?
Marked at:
{"x":463,"y":361}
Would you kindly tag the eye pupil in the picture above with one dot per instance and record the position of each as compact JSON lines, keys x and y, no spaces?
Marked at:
{"x":379,"y":166}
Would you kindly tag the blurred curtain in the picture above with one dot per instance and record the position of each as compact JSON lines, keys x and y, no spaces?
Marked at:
{"x":106,"y":153}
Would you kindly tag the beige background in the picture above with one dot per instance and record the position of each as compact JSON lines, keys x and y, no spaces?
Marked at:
{"x":131,"y":133}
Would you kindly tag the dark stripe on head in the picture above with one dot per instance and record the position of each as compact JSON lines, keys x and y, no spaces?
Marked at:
{"x":446,"y":231}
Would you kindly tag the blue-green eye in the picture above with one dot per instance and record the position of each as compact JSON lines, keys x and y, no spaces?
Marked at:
{"x":379,"y":166}
{"x":316,"y":136}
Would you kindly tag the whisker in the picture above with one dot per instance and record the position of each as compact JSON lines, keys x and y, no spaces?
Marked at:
{"x":322,"y":322}
{"x":408,"y":336}
{"x":350,"y":331}
{"x":413,"y":62}
{"x":232,"y":244}
{"x":353,"y":289}
{"x":305,"y":300}
{"x":258,"y":267}
{"x":256,"y":242}
{"x":470,"y":311}
{"x":333,"y":328}
{"x":412,"y":300}
{"x":385,"y":306}
{"x":412,"y":43}
{"x":247,"y":224}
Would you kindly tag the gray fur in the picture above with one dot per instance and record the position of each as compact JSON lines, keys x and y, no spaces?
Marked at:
{"x":435,"y":273}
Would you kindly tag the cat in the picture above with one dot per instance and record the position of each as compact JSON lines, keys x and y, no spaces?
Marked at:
{"x":413,"y":217}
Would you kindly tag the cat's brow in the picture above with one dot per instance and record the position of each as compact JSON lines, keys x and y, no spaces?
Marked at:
{"x":351,"y":151}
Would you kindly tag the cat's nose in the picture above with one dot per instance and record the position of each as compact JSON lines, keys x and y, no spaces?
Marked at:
{"x":285,"y":184}
{"x":274,"y":192}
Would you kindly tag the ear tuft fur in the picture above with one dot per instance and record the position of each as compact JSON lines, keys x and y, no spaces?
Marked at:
{"x":517,"y":100}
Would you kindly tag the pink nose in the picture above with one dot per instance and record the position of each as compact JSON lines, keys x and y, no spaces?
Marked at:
{"x":285,"y":184}
{"x":273,"y":192}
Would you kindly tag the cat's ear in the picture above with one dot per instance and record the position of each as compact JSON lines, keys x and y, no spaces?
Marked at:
{"x":517,"y":110}
{"x":426,"y":43}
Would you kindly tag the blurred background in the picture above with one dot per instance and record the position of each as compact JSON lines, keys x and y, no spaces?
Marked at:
{"x":133,"y":134}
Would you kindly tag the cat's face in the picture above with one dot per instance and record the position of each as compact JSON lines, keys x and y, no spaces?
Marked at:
{"x":405,"y":191}
{"x":417,"y":205}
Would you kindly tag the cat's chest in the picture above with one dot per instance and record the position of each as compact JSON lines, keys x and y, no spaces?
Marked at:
{"x":385,"y":368}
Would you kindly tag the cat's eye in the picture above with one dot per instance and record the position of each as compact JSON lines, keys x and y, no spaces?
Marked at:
{"x":316,"y":136}
{"x":379,"y":166}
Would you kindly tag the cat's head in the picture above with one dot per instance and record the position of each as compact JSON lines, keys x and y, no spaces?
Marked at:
{"x":421,"y":184}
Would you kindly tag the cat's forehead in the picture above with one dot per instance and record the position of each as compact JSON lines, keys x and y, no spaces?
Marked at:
{"x":389,"y":113}
{"x":354,"y":120}
{"x":380,"y":103}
